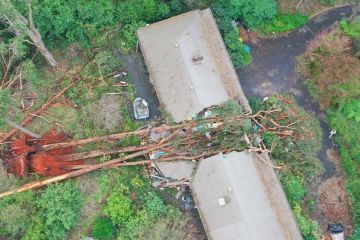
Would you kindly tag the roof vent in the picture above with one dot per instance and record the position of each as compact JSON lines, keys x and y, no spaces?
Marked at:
{"x":198,"y":59}
{"x":221,"y":202}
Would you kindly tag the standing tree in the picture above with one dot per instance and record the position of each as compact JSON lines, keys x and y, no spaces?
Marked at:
{"x":19,"y":25}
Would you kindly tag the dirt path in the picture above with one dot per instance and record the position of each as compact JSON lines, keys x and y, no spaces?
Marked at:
{"x":273,"y":71}
{"x":134,"y":64}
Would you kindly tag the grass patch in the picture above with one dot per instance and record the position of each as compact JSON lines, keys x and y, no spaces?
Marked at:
{"x":283,"y":23}
{"x":335,"y":83}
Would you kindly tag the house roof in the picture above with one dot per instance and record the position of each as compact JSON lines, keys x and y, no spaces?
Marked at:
{"x":189,"y":65}
{"x":255,"y":204}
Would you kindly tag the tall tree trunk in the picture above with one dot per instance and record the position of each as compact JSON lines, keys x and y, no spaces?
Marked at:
{"x":20,"y":25}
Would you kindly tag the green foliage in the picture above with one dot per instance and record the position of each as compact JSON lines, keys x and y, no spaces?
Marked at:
{"x":297,"y":155}
{"x":154,"y":205}
{"x":256,"y":12}
{"x":15,"y":215}
{"x":129,"y":38}
{"x":340,"y":98}
{"x":142,"y":10}
{"x":283,"y":23}
{"x":309,"y":229}
{"x":59,"y":207}
{"x":5,"y":103}
{"x":293,"y":188}
{"x":64,"y":21}
{"x":253,"y":13}
{"x":176,"y":6}
{"x":239,"y":56}
{"x":132,"y":204}
{"x":352,"y":110}
{"x":350,"y":29}
{"x":118,"y":208}
{"x":356,"y":234}
{"x":103,"y":229}
{"x":35,"y":230}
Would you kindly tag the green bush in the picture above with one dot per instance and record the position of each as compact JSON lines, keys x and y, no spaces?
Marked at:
{"x":59,"y":207}
{"x":128,"y":33}
{"x":176,"y":6}
{"x":239,"y":56}
{"x":103,"y":229}
{"x":309,"y":229}
{"x":15,"y":215}
{"x":352,"y":110}
{"x":293,"y":188}
{"x":142,"y":10}
{"x":65,"y":21}
{"x":283,"y":23}
{"x":253,"y":13}
{"x":256,"y":12}
{"x":350,"y":29}
{"x":118,"y":208}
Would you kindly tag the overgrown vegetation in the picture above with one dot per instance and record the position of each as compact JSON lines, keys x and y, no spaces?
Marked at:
{"x":86,"y":33}
{"x":47,"y":214}
{"x":283,"y":23}
{"x":297,"y":156}
{"x":332,"y":73}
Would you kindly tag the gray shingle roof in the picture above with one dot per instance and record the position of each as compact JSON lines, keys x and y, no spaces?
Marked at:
{"x":256,"y":207}
{"x":183,"y":85}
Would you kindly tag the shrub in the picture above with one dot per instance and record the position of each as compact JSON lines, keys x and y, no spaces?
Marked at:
{"x":142,"y":10}
{"x":129,"y":38}
{"x":239,"y":56}
{"x":293,"y":188}
{"x":283,"y":23}
{"x":15,"y":215}
{"x":350,"y":29}
{"x":118,"y":208}
{"x":59,"y":207}
{"x":352,"y":110}
{"x":309,"y":229}
{"x":103,"y":229}
{"x":176,"y":6}
{"x":256,"y":12}
{"x":64,"y":21}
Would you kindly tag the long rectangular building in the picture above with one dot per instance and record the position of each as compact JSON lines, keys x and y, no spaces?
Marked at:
{"x":189,"y":65}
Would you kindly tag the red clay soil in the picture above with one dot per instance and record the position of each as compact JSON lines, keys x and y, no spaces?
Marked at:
{"x":21,"y":158}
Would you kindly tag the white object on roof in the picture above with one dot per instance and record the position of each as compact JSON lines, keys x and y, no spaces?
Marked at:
{"x":189,"y":65}
{"x":221,"y":202}
{"x":240,"y":197}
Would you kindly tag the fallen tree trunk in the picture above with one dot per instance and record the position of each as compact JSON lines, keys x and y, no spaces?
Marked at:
{"x":20,"y":26}
{"x":91,"y":168}
{"x":112,"y":137}
{"x":119,"y":136}
{"x":98,"y":153}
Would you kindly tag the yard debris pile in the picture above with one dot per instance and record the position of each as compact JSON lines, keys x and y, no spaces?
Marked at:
{"x":22,"y":157}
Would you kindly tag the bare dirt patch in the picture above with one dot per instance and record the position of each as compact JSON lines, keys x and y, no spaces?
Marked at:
{"x":334,"y":206}
{"x":106,"y":113}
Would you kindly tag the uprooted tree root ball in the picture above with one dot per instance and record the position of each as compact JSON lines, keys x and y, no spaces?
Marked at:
{"x":21,"y":157}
